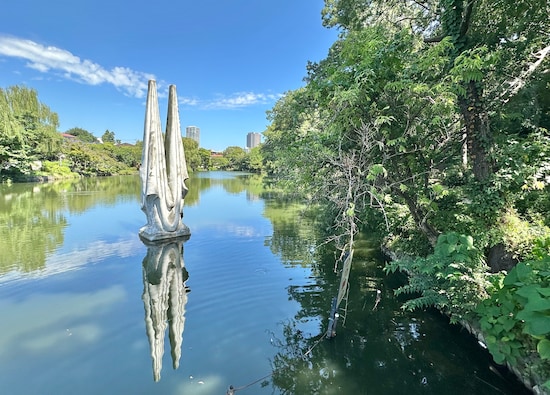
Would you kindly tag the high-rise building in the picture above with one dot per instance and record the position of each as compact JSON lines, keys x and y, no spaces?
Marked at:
{"x":253,"y":139}
{"x":193,"y":132}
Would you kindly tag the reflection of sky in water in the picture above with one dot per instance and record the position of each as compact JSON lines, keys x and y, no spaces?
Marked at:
{"x":104,"y":223}
{"x":77,"y":326}
{"x":216,"y":203}
{"x":79,"y":257}
{"x":406,"y":333}
{"x":57,"y":322}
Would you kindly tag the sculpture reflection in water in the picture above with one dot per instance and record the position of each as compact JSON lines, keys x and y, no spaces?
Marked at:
{"x":164,"y":299}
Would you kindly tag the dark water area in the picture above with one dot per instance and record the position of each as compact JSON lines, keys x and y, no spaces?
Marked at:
{"x":88,"y":308}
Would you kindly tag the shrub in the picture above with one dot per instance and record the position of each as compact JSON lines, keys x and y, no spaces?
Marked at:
{"x":453,"y":279}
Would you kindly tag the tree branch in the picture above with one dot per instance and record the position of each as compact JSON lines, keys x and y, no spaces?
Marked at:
{"x":435,"y":39}
{"x":519,"y":82}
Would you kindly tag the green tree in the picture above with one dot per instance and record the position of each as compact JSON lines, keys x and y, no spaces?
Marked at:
{"x":108,"y":137}
{"x":235,"y":157}
{"x":192,"y":155}
{"x":413,"y":100}
{"x":28,"y":130}
{"x":206,"y":161}
{"x":356,"y":135}
{"x":93,"y":159}
{"x":82,"y":134}
{"x":472,"y":161}
{"x":253,"y":161}
{"x":219,"y":162}
{"x":129,"y":155}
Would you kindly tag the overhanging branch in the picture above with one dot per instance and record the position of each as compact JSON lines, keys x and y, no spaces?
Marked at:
{"x":520,"y":81}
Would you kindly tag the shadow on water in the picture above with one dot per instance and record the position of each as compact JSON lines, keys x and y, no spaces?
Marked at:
{"x":379,"y":349}
{"x":164,"y":299}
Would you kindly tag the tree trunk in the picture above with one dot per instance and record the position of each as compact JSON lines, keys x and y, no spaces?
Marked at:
{"x":478,"y":135}
{"x":420,"y":217}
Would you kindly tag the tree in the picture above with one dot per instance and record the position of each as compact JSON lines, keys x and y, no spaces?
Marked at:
{"x":108,"y":137}
{"x":206,"y":161}
{"x":433,"y":113}
{"x":82,"y":134}
{"x":364,"y":120}
{"x":253,"y":160}
{"x":407,"y":92}
{"x":192,"y":156}
{"x":235,"y":155}
{"x":497,"y":50}
{"x":94,"y":159}
{"x":28,"y":129}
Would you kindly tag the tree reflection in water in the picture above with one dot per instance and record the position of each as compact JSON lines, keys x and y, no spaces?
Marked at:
{"x":382,"y":350}
{"x":164,"y":299}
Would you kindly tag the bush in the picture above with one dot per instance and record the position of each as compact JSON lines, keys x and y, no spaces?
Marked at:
{"x":453,"y":279}
{"x":516,"y":318}
{"x":56,"y":169}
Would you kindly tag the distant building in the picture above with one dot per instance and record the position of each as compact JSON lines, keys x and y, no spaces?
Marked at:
{"x":194,"y":133}
{"x":253,"y":140}
{"x":69,"y":137}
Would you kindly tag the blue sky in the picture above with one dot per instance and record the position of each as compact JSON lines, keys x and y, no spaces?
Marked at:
{"x":90,"y":61}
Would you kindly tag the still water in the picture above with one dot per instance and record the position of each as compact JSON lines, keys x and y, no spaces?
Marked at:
{"x":87,"y":308}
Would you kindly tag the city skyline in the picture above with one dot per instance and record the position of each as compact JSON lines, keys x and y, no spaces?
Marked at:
{"x":253,"y":139}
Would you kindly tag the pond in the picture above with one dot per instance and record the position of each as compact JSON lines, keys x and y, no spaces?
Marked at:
{"x":88,"y":308}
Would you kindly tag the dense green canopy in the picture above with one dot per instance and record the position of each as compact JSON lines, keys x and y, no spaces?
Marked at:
{"x":435,"y":113}
{"x":28,"y":129}
{"x":429,"y":121}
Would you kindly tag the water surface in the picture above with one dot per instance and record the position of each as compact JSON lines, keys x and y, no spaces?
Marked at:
{"x":88,"y":308}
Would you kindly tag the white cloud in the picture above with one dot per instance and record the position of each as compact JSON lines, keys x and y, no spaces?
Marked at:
{"x":229,"y":102}
{"x":95,"y":252}
{"x":45,"y":321}
{"x":48,"y":58}
{"x":242,"y":99}
{"x":187,"y":101}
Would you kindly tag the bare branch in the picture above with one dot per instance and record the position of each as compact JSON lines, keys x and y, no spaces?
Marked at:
{"x":426,"y":8}
{"x":520,"y":81}
{"x":435,"y":39}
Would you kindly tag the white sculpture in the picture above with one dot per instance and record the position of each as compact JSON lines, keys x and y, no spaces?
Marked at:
{"x":163,"y":171}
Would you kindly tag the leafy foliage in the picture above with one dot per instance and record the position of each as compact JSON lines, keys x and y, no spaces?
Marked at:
{"x":92,"y":159}
{"x":27,"y":130}
{"x":108,"y":136}
{"x":192,"y":154}
{"x":516,"y":318}
{"x":452,"y":279}
{"x":235,"y":157}
{"x":82,"y":134}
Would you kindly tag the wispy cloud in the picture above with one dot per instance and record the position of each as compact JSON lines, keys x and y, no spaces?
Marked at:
{"x":46,"y":59}
{"x":240,"y":100}
{"x":49,"y":58}
{"x":188,"y":101}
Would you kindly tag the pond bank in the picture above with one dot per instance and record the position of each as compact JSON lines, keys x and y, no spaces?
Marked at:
{"x":524,"y":368}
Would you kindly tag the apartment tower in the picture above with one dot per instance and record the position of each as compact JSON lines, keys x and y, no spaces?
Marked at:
{"x":253,"y":140}
{"x":193,"y":132}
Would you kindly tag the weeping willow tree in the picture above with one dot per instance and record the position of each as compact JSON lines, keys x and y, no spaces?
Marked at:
{"x":28,"y":130}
